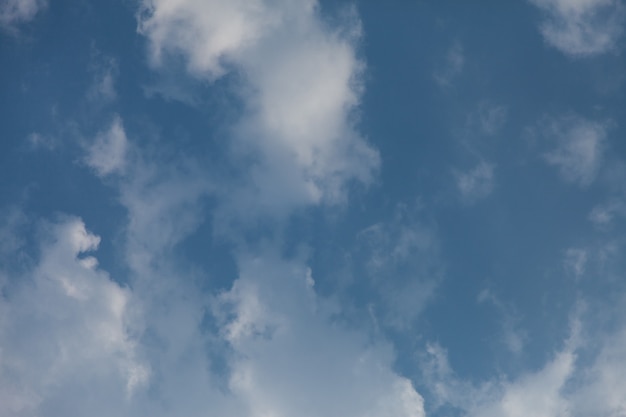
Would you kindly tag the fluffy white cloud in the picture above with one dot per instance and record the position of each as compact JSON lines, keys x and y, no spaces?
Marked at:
{"x":302,"y":89}
{"x":582,"y":27}
{"x":74,"y":341}
{"x":107,"y":154}
{"x":64,"y":327}
{"x":580,"y":148}
{"x":14,"y":12}
{"x":476,"y":183}
{"x":292,"y":361}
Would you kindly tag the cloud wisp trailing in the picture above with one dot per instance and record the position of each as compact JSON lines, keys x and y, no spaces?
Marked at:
{"x":582,"y":28}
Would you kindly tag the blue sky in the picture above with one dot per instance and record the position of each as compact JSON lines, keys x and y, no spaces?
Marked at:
{"x":277,"y":208}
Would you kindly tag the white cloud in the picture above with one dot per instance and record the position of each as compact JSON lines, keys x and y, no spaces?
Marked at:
{"x":293,"y":362}
{"x":582,"y":27}
{"x":107,"y":154}
{"x":64,"y":326}
{"x":476,"y":183}
{"x":74,"y":342}
{"x":584,"y":378}
{"x":604,"y":382}
{"x":302,"y":88}
{"x":535,"y":394}
{"x":14,"y":12}
{"x":580,"y":148}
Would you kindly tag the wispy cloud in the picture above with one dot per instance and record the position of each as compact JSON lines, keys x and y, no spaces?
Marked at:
{"x":583,"y":27}
{"x":490,"y":117}
{"x":14,"y":12}
{"x":513,"y":335}
{"x":452,"y":66}
{"x":580,"y":147}
{"x":581,"y":378}
{"x":575,"y":261}
{"x":403,"y":265}
{"x":603,"y":215}
{"x":477,"y":183}
{"x":105,"y":70}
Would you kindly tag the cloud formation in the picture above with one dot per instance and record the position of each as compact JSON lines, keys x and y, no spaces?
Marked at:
{"x":476,"y":183}
{"x":303,"y":86}
{"x":14,"y":12}
{"x":107,"y":154}
{"x":65,"y":327}
{"x":580,"y":146}
{"x":579,"y":379}
{"x":583,"y":27}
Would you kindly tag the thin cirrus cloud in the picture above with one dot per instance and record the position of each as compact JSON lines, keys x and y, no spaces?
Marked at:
{"x":582,"y":28}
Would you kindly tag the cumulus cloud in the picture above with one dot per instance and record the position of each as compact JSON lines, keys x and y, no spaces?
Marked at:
{"x":582,"y":27}
{"x":580,"y":146}
{"x":476,"y":183}
{"x":149,"y":348}
{"x":302,"y":88}
{"x":63,"y":327}
{"x":265,"y":343}
{"x":14,"y":12}
{"x":292,"y":362}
